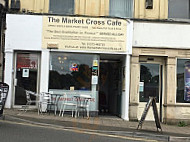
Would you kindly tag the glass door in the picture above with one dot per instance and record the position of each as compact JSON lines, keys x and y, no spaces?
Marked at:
{"x":26,"y":76}
{"x":150,"y":85}
{"x":150,"y":81}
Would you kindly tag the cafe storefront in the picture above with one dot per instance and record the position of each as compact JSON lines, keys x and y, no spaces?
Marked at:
{"x":72,"y":55}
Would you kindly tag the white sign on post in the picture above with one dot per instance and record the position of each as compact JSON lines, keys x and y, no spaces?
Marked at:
{"x":25,"y":73}
{"x":94,"y":79}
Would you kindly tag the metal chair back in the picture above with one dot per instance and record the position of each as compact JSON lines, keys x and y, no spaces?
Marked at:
{"x":29,"y":101}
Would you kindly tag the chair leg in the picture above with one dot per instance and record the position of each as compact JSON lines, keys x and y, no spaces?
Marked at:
{"x":27,"y":105}
{"x":76,"y":111}
{"x":55,"y":109}
{"x":83,"y":110}
{"x":79,"y":112}
{"x":38,"y":108}
{"x":72,"y":113}
{"x":88,"y":113}
{"x":25,"y":108}
{"x":63,"y":110}
{"x":48,"y":108}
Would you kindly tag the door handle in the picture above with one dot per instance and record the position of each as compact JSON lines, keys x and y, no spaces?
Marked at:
{"x":137,"y":89}
{"x":15,"y":82}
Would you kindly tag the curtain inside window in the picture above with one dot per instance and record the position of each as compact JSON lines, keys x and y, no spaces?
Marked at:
{"x":121,"y":8}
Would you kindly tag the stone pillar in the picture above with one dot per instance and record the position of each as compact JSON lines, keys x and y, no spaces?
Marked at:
{"x":134,"y":88}
{"x":170,"y":93}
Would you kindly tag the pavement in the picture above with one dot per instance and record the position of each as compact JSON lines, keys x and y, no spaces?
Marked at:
{"x":103,"y":124}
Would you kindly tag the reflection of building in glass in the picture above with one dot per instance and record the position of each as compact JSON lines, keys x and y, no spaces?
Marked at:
{"x":70,"y":70}
{"x":74,"y":67}
{"x":150,"y":78}
{"x":187,"y":81}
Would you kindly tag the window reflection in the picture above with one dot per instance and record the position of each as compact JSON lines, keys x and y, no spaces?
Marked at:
{"x":70,"y":70}
{"x":149,"y":79}
{"x":183,"y":81}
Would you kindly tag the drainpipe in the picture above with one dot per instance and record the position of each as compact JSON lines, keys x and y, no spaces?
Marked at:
{"x":3,"y":9}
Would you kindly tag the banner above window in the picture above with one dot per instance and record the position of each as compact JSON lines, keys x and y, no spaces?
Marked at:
{"x":84,"y":33}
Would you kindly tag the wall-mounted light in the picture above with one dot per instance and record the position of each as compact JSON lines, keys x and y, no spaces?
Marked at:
{"x":52,"y":45}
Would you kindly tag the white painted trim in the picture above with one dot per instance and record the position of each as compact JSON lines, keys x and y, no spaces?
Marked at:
{"x":9,"y":77}
{"x":125,"y":94}
{"x":44,"y":72}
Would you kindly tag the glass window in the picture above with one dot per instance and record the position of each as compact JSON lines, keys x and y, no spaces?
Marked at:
{"x":121,"y":8}
{"x":149,"y":81}
{"x":26,"y":76}
{"x":61,"y":7}
{"x":183,"y":81}
{"x":149,"y":4}
{"x":70,"y":71}
{"x":179,"y":9}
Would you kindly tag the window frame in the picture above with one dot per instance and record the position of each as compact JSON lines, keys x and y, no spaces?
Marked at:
{"x":81,"y":66}
{"x":177,"y":102}
{"x":149,"y":4}
{"x":62,"y":12}
{"x":174,"y":17}
{"x":131,"y":15}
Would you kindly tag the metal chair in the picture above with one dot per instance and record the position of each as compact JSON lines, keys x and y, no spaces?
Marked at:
{"x":29,"y":101}
{"x":83,"y":103}
{"x":44,"y":102}
{"x":64,"y":104}
{"x":54,"y":102}
{"x":48,"y":100}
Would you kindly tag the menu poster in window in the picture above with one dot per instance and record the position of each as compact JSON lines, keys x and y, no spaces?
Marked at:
{"x":187,"y":82}
{"x":95,"y":62}
{"x":95,"y":70}
{"x":27,"y":61}
{"x":94,"y":79}
{"x":25,"y":73}
{"x":74,"y":66}
{"x":141,"y":86}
